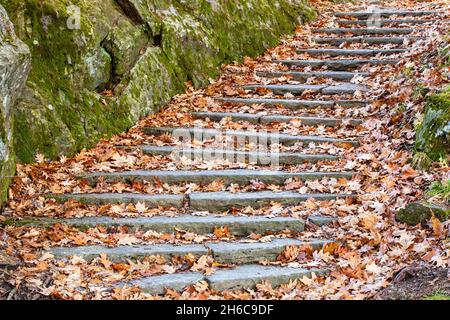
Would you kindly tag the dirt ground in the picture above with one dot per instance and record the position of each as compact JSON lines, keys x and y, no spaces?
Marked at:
{"x":417,"y":282}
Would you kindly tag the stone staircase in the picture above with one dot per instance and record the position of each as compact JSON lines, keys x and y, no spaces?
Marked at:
{"x":242,"y":257}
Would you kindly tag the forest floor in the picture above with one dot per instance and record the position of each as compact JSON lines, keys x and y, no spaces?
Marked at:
{"x":369,"y":254}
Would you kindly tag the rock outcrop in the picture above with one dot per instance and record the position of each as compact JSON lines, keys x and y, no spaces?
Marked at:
{"x":14,"y":68}
{"x":433,"y":135}
{"x":100,"y":65}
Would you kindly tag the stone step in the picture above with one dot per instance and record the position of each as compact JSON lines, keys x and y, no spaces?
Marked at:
{"x":222,"y":252}
{"x":157,"y":285}
{"x":367,"y":40}
{"x":255,"y":137}
{"x":243,"y":253}
{"x":303,"y":76}
{"x":339,"y":65}
{"x":282,"y":89}
{"x":223,"y":201}
{"x":386,"y":13}
{"x":248,"y":276}
{"x":364,"y":31}
{"x":385,"y":21}
{"x":296,"y":104}
{"x":237,"y":225}
{"x":201,"y":201}
{"x":241,"y":277}
{"x":351,"y":52}
{"x":234,"y":156}
{"x":239,"y":176}
{"x":124,"y":253}
{"x":150,"y":201}
{"x":256,"y":118}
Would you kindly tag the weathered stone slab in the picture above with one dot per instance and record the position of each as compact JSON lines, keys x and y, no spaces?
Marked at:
{"x":321,"y":221}
{"x":252,"y":157}
{"x":295,"y":104}
{"x":303,"y":76}
{"x":310,"y":121}
{"x":206,"y":177}
{"x":286,"y":88}
{"x":248,"y":276}
{"x":124,"y":253}
{"x":367,"y":40}
{"x":351,"y":52}
{"x":421,"y":212}
{"x":157,"y":285}
{"x":238,"y":225}
{"x":242,"y":253}
{"x":255,"y":136}
{"x":383,"y":22}
{"x":283,"y":89}
{"x":223,"y":201}
{"x":151,"y":201}
{"x":219,"y":116}
{"x":223,"y":252}
{"x":345,"y":88}
{"x":364,"y":31}
{"x":387,"y":13}
{"x":341,"y":64}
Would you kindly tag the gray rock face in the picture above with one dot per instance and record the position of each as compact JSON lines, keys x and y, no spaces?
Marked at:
{"x":14,"y":68}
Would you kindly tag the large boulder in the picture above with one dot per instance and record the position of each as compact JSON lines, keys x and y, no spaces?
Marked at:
{"x":100,"y":65}
{"x":14,"y":68}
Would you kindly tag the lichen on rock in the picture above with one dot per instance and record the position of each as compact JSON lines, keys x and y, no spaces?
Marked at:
{"x":14,"y":68}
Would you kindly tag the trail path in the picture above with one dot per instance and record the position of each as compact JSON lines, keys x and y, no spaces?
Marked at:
{"x":290,"y":176}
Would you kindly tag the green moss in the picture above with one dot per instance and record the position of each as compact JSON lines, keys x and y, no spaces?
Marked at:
{"x":144,"y":63}
{"x":438,"y":295}
{"x":440,"y":189}
{"x":421,"y":212}
{"x":433,"y":134}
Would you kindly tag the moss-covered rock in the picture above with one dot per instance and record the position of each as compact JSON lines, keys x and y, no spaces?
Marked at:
{"x":433,"y":135}
{"x":420,"y":212}
{"x":14,"y":68}
{"x":143,"y":51}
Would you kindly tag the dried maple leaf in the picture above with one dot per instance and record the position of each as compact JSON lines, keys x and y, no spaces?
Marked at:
{"x":222,"y":232}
